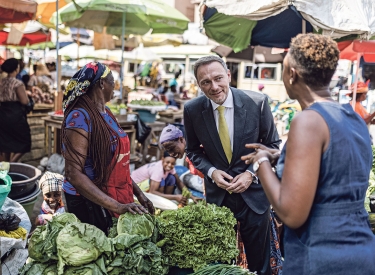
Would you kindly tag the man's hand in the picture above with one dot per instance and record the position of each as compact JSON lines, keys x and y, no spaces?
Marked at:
{"x":145,"y":202}
{"x":196,"y":199}
{"x":240,"y":183}
{"x":132,"y":208}
{"x":219,"y":176}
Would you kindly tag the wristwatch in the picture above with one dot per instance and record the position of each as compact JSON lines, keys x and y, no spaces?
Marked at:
{"x":258,"y":162}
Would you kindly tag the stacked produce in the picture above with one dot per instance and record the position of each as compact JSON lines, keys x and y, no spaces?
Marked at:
{"x":223,"y":269}
{"x":115,"y":108}
{"x":145,"y":102}
{"x":197,"y":235}
{"x":67,"y":246}
{"x":41,"y":95}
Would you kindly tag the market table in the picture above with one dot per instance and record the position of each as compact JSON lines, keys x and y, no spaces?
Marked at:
{"x":49,"y":123}
{"x":169,"y":116}
{"x":153,"y":139}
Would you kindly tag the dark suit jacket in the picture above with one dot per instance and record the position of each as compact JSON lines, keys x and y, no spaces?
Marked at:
{"x":253,"y":123}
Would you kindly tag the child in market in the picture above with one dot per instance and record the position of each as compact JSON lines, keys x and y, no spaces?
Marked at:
{"x":160,"y":178}
{"x":172,"y":140}
{"x":51,"y":186}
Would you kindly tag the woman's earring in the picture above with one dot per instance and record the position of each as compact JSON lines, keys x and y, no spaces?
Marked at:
{"x":103,"y":88}
{"x":290,"y":81}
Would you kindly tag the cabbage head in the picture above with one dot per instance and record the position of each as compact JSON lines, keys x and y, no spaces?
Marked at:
{"x":42,"y":244}
{"x":79,"y":244}
{"x":36,"y":268}
{"x":134,"y":224}
{"x":89,"y":269}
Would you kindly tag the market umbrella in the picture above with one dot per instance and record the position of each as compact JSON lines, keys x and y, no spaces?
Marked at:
{"x":17,"y":11}
{"x":27,"y":38}
{"x":46,"y":8}
{"x":122,"y":17}
{"x":354,"y":50}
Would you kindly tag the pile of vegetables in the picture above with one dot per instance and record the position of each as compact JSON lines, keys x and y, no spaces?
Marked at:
{"x":197,"y":235}
{"x":223,"y":269}
{"x":144,"y":102}
{"x":115,"y":108}
{"x":67,"y":246}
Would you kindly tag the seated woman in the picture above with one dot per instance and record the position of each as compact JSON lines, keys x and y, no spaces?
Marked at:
{"x":361,"y":95}
{"x":51,"y":186}
{"x":162,"y":178}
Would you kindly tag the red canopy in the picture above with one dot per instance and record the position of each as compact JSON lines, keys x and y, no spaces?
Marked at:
{"x":27,"y":39}
{"x":17,"y":11}
{"x":350,"y":49}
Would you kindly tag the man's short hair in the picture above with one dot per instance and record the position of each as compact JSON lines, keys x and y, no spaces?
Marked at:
{"x":207,"y":60}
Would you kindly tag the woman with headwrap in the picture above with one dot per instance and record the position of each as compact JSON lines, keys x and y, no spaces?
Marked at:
{"x":15,"y":138}
{"x":361,"y":95}
{"x":97,"y":151}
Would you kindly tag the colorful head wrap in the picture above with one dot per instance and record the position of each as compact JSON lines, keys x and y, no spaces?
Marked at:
{"x":361,"y":87}
{"x":83,"y":80}
{"x":51,"y":182}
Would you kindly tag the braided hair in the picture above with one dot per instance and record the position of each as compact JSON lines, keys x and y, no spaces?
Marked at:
{"x":101,"y":141}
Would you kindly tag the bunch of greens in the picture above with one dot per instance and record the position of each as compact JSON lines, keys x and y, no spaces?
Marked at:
{"x":42,"y":244}
{"x":222,"y":269}
{"x":135,"y":248}
{"x":197,"y":235}
{"x":35,"y":268}
{"x":79,"y":244}
{"x":144,"y":102}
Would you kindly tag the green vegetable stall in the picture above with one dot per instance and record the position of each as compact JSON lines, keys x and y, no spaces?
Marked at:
{"x":196,"y":239}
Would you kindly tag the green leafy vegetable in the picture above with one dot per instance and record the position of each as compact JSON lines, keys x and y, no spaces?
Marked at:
{"x":36,"y":268}
{"x":113,"y":230}
{"x":79,"y":244}
{"x":141,"y":225}
{"x":222,"y":269}
{"x":144,"y":102}
{"x":88,"y":269}
{"x":197,"y":235}
{"x":42,"y":244}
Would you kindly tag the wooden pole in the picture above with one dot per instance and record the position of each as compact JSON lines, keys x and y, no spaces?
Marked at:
{"x":79,"y":44}
{"x":356,"y":81}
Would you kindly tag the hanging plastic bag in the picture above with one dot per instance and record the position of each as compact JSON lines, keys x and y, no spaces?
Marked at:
{"x":5,"y":182}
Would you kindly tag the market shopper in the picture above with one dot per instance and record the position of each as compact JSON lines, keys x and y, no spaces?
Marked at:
{"x":15,"y":137}
{"x":323,"y":171}
{"x":223,"y":122}
{"x":161,"y":178}
{"x":361,"y":95}
{"x":97,"y":152}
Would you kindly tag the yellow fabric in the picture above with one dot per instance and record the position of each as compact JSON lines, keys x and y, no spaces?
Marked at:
{"x":19,"y":233}
{"x":224,"y":133}
{"x":144,"y":185}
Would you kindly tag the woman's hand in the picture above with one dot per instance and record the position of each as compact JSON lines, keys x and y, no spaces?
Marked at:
{"x":261,"y":151}
{"x":132,"y":208}
{"x":181,"y":199}
{"x":146,"y":203}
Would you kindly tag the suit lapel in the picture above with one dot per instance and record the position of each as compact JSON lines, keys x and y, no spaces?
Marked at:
{"x":209,"y":119}
{"x":239,"y":123}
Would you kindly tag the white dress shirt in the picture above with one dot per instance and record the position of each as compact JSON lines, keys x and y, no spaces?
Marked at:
{"x":229,"y":117}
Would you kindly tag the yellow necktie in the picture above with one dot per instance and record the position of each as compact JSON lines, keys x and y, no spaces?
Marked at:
{"x":224,"y":133}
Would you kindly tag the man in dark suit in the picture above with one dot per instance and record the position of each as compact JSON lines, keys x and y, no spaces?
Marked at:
{"x":217,"y":126}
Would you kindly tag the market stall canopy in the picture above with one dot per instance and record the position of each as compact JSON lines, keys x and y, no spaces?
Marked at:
{"x":350,"y":49}
{"x":46,"y":8}
{"x":141,"y":16}
{"x":262,"y":54}
{"x":151,"y":40}
{"x":27,"y":38}
{"x":138,"y":54}
{"x":23,"y":34}
{"x":73,"y":51}
{"x":273,"y":23}
{"x":17,"y":11}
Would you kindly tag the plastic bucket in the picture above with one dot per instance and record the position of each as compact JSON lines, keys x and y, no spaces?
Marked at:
{"x":146,"y":116}
{"x":28,"y":201}
{"x":29,"y":206}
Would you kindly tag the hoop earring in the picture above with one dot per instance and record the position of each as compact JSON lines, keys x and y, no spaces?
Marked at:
{"x":291,"y":81}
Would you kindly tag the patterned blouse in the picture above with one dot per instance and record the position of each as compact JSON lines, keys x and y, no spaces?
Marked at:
{"x":8,"y":86}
